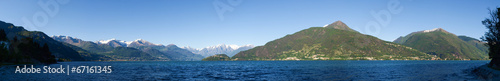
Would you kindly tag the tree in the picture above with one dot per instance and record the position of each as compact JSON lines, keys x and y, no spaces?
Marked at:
{"x":3,"y":36}
{"x":15,"y":38}
{"x":492,"y":37}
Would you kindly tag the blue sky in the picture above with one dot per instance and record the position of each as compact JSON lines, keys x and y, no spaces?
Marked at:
{"x":196,"y":23}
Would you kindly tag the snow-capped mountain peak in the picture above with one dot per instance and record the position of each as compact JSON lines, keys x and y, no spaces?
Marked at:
{"x":105,"y":41}
{"x":139,"y":40}
{"x":234,"y":47}
{"x":62,"y":37}
{"x":435,"y":29}
{"x":112,"y":42}
{"x":229,"y":50}
{"x":231,"y":46}
{"x":190,"y":48}
{"x":66,"y":39}
{"x":128,"y":43}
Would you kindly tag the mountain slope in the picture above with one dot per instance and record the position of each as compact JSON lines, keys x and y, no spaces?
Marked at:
{"x":141,"y":42}
{"x":443,"y":44}
{"x":339,"y":25}
{"x":87,"y":45}
{"x":109,"y":50}
{"x":171,"y":51}
{"x":178,"y":54}
{"x":57,"y":49}
{"x":122,"y":50}
{"x":89,"y":56}
{"x":475,"y":42}
{"x":113,"y":43}
{"x":330,"y":43}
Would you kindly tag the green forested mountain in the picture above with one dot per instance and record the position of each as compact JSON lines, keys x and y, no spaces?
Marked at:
{"x":16,"y":35}
{"x":129,"y":54}
{"x":445,"y":45}
{"x":475,"y":42}
{"x":335,"y":41}
{"x":217,"y":57}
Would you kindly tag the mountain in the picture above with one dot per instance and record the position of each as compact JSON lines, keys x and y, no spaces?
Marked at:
{"x":58,"y":49}
{"x":109,"y":50}
{"x":174,"y":52}
{"x":171,"y":51}
{"x":87,"y":55}
{"x":130,"y":54}
{"x":141,"y":42}
{"x":475,"y":42}
{"x":241,"y":48}
{"x":217,"y":57}
{"x":121,"y":50}
{"x":335,"y":41}
{"x":181,"y":54}
{"x":230,"y":50}
{"x":444,"y":44}
{"x":87,"y":45}
{"x":113,"y":43}
{"x":23,"y":51}
{"x":402,"y":39}
{"x":339,"y":25}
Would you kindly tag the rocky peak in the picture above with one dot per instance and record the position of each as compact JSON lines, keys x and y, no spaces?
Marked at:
{"x":434,"y":30}
{"x":338,"y":25}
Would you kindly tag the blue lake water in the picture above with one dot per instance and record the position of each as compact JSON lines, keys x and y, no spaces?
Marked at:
{"x":263,"y":70}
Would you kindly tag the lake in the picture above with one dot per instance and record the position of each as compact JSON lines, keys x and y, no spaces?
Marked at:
{"x":261,"y":70}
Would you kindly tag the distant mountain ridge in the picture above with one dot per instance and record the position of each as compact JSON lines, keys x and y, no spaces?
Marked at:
{"x":229,"y":50}
{"x":115,"y":43}
{"x":149,"y":51}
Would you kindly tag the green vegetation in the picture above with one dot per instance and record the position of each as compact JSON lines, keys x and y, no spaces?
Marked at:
{"x":443,"y":44}
{"x":23,"y":51}
{"x":326,"y":43}
{"x":89,"y":56}
{"x":3,"y":36}
{"x":217,"y":57}
{"x":339,"y":25}
{"x":476,"y":43}
{"x":492,"y":37}
{"x":17,"y":34}
{"x":129,"y":54}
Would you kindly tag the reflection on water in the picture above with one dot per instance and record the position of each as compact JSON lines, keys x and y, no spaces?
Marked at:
{"x":265,"y":70}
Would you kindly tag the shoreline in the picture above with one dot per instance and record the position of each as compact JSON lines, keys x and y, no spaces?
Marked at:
{"x":486,"y":73}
